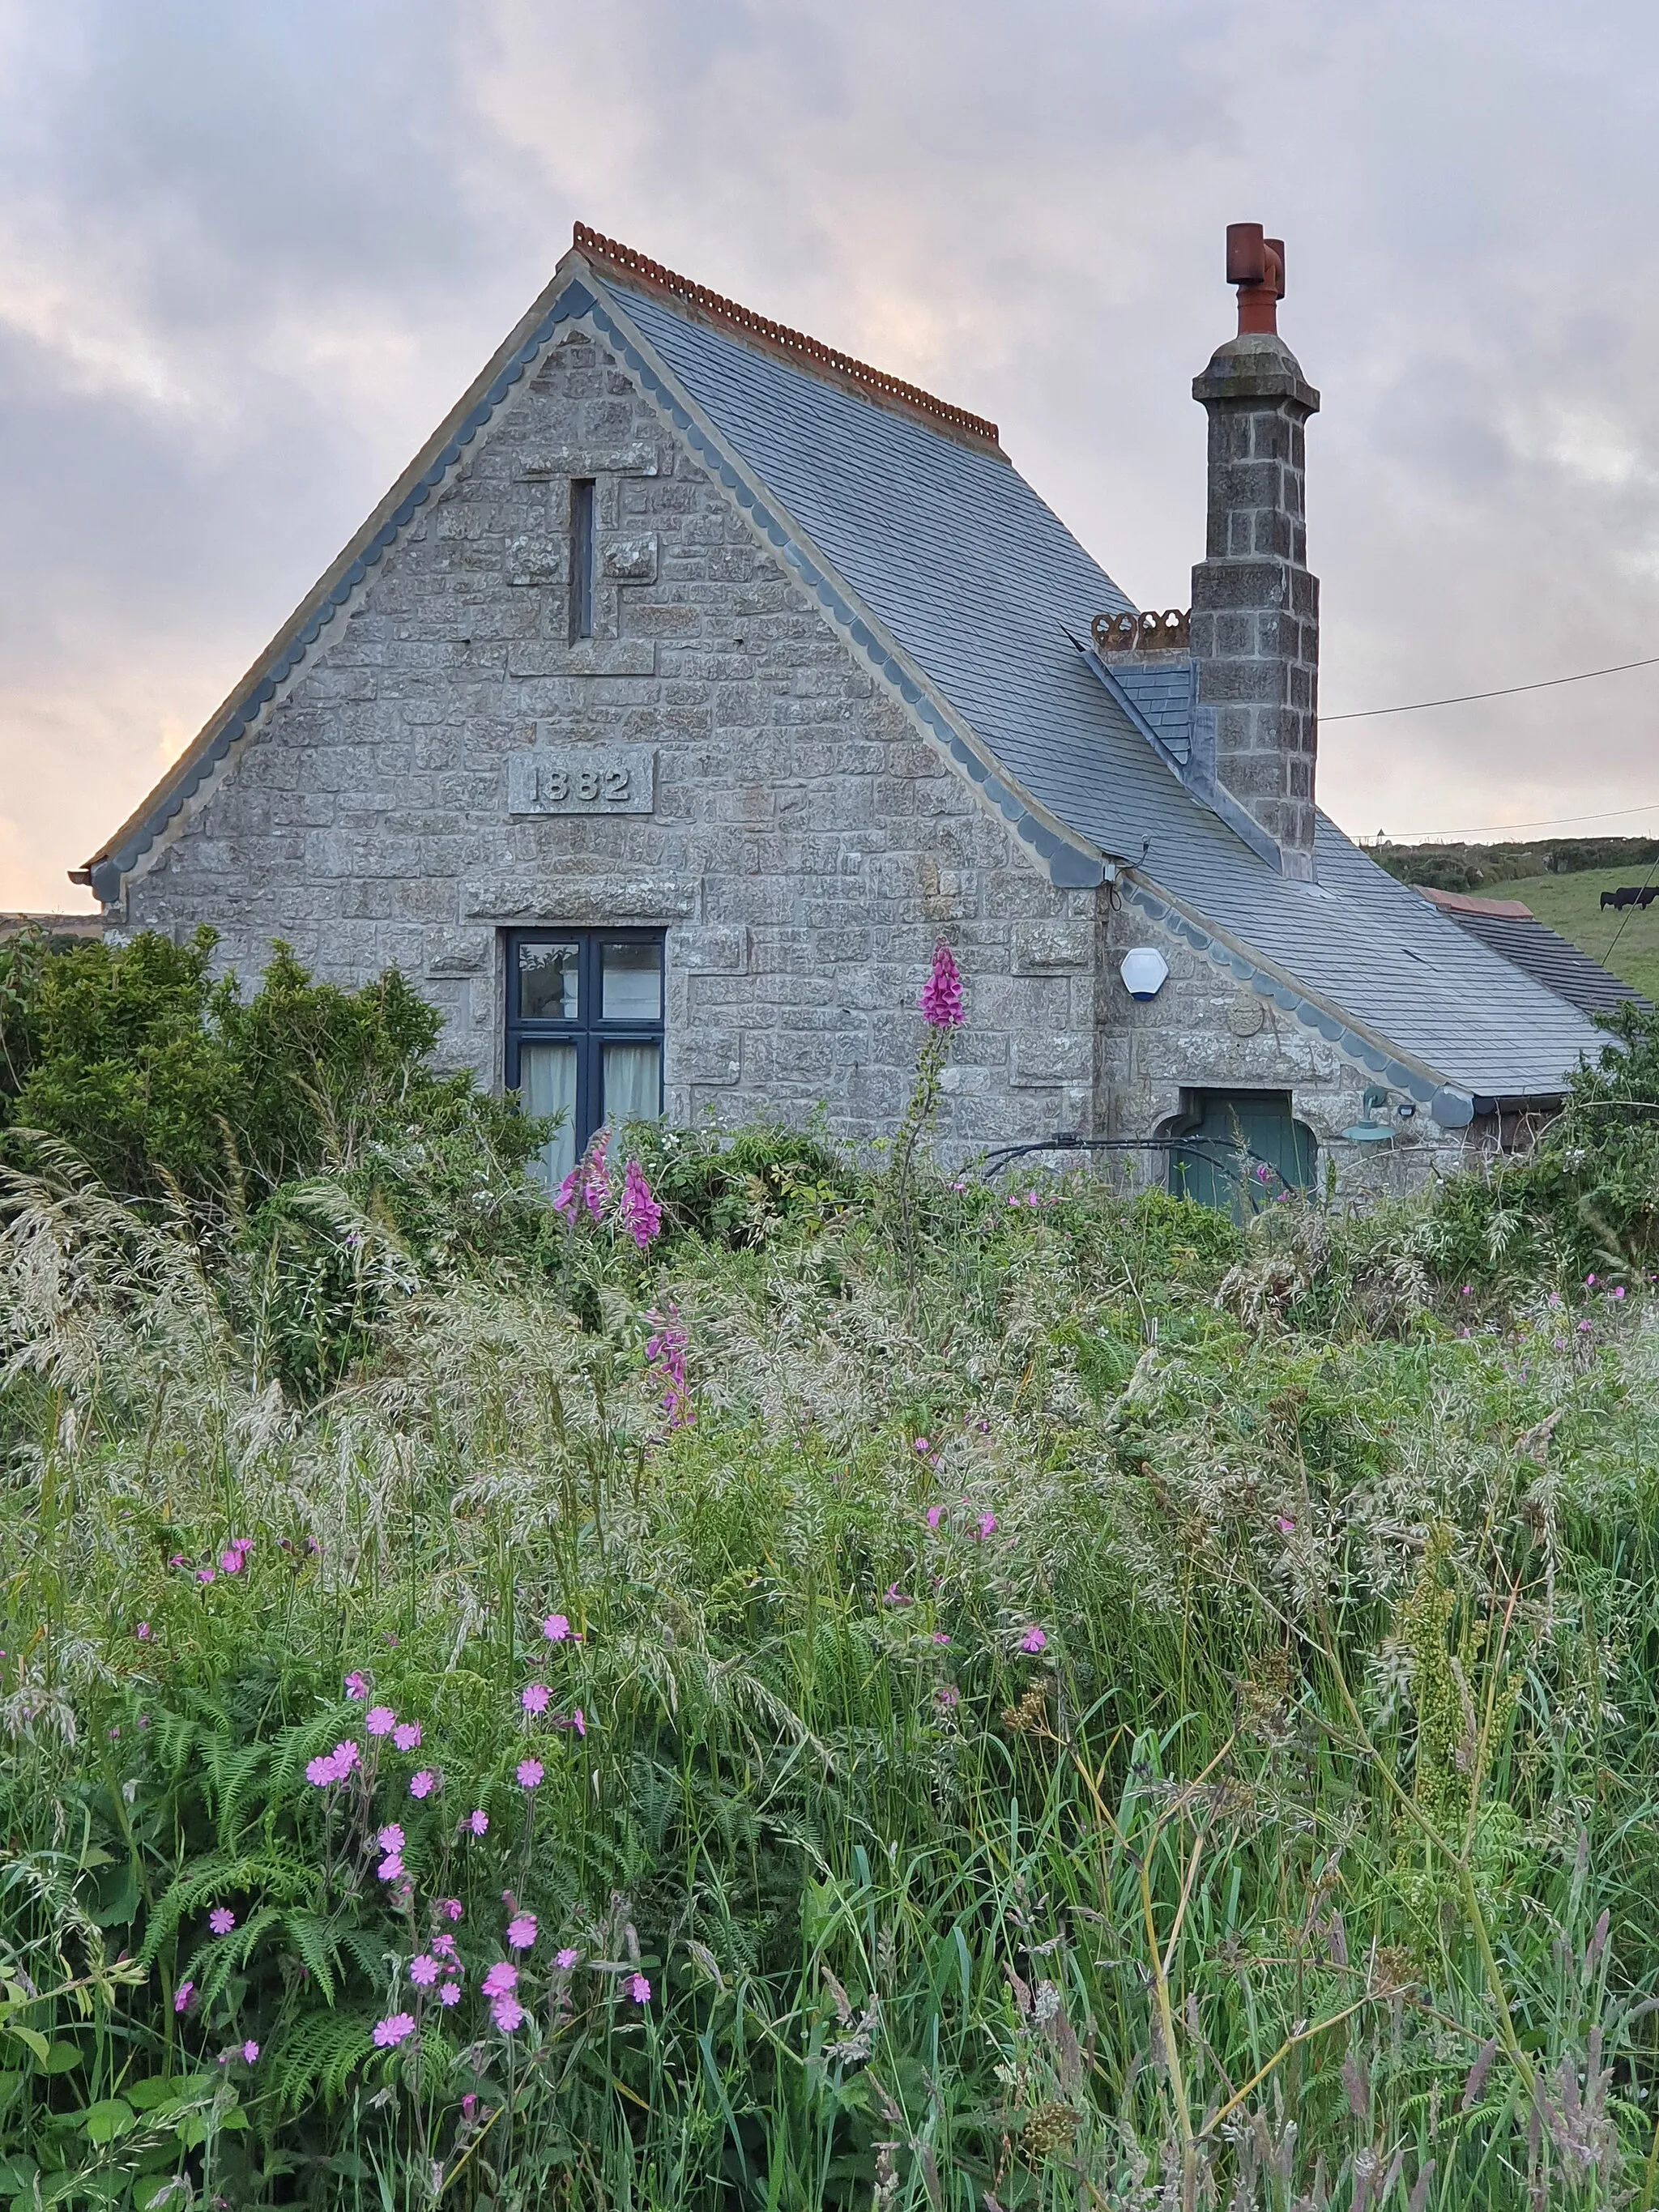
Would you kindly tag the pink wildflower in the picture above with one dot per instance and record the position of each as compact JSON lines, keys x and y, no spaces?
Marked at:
{"x":529,"y":1773}
{"x":639,"y":1212}
{"x":534,"y":1696}
{"x":206,"y":1575}
{"x":222,"y":1920}
{"x":380,"y":1720}
{"x":556,"y":1628}
{"x":941,"y":995}
{"x":356,"y":1686}
{"x":478,"y":1821}
{"x":894,"y":1595}
{"x":142,"y":1631}
{"x":176,"y":1559}
{"x":639,"y":1989}
{"x":1284,"y":1525}
{"x":451,"y":1910}
{"x":1033,"y":1640}
{"x":390,"y":1838}
{"x":521,"y":1931}
{"x":423,"y":1783}
{"x":939,"y":1637}
{"x":935,"y":1514}
{"x":947,"y":1696}
{"x":501,"y":1979}
{"x":182,"y":1995}
{"x":578,"y":1722}
{"x":987,"y":1526}
{"x":393,"y":2030}
{"x":320,"y":1770}
{"x":408,"y":1736}
{"x":564,"y":1960}
{"x":346,"y":1756}
{"x":450,"y":1993}
{"x":423,"y":1970}
{"x":508,"y":2014}
{"x":391,"y":1868}
{"x":231,"y":1561}
{"x":249,"y":2052}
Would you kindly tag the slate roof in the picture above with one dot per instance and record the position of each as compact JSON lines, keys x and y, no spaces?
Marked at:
{"x":967,"y":596}
{"x":984,"y":587}
{"x":1514,"y":930}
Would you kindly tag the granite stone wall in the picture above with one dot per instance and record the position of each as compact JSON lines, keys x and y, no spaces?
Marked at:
{"x":803,"y":849}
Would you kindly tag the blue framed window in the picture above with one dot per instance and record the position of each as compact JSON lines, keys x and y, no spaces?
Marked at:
{"x":584,"y":1032}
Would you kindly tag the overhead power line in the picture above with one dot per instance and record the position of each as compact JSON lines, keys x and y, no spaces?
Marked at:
{"x":1549,"y":821}
{"x":1509,"y":690}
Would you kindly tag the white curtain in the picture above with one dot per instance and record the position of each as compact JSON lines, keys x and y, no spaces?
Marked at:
{"x":633,"y":1083}
{"x":547,"y":1086}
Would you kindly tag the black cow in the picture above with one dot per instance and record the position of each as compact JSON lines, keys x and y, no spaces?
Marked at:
{"x":1631,"y":896}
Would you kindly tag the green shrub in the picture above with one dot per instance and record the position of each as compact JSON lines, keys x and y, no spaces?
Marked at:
{"x":1586,"y":1198}
{"x":167,"y":1084}
{"x":741,"y":1187}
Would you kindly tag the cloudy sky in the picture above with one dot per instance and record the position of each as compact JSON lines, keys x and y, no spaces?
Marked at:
{"x":252,"y":249}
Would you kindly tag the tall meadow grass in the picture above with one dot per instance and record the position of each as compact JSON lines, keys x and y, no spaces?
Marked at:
{"x":1095,"y":1708}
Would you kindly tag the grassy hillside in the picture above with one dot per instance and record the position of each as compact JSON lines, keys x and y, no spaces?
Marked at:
{"x":1572,"y":904}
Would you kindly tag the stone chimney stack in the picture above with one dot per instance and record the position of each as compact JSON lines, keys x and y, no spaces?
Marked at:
{"x":1255,"y":607}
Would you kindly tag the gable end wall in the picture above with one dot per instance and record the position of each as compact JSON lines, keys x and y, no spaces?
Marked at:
{"x":805,"y":848}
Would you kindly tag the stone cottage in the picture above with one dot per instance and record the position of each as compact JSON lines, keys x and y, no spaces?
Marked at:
{"x":695,"y":678}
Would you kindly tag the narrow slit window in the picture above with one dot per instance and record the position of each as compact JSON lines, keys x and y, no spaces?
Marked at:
{"x":581,"y":558}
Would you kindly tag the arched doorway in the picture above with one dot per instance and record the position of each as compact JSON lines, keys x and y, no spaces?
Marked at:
{"x":1240,"y":1150}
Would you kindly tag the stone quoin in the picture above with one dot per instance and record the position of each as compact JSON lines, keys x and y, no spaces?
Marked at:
{"x":697,"y":677}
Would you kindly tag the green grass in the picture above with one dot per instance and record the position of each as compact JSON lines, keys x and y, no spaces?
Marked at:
{"x":1571,"y":904}
{"x":1305,"y":1857}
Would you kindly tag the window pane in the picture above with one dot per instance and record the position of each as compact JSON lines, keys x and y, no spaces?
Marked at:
{"x":547,"y":1086}
{"x":547,"y":982}
{"x":632,"y":985}
{"x":633,"y":1083}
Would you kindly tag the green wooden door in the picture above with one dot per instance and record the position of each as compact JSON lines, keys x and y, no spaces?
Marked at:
{"x":1239,"y":1150}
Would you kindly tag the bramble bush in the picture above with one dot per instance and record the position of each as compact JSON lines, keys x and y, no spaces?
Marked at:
{"x":1066,"y":1700}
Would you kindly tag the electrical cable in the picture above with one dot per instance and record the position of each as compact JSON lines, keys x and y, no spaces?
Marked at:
{"x":1549,"y":821}
{"x":1508,"y":692}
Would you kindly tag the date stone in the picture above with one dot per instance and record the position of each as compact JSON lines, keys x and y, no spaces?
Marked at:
{"x":582,"y":780}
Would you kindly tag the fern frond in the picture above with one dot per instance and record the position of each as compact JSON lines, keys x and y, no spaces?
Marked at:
{"x":318,"y":1947}
{"x":321,"y":2052}
{"x":274,"y":1875}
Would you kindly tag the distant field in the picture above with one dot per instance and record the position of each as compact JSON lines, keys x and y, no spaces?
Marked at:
{"x":1573,"y":905}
